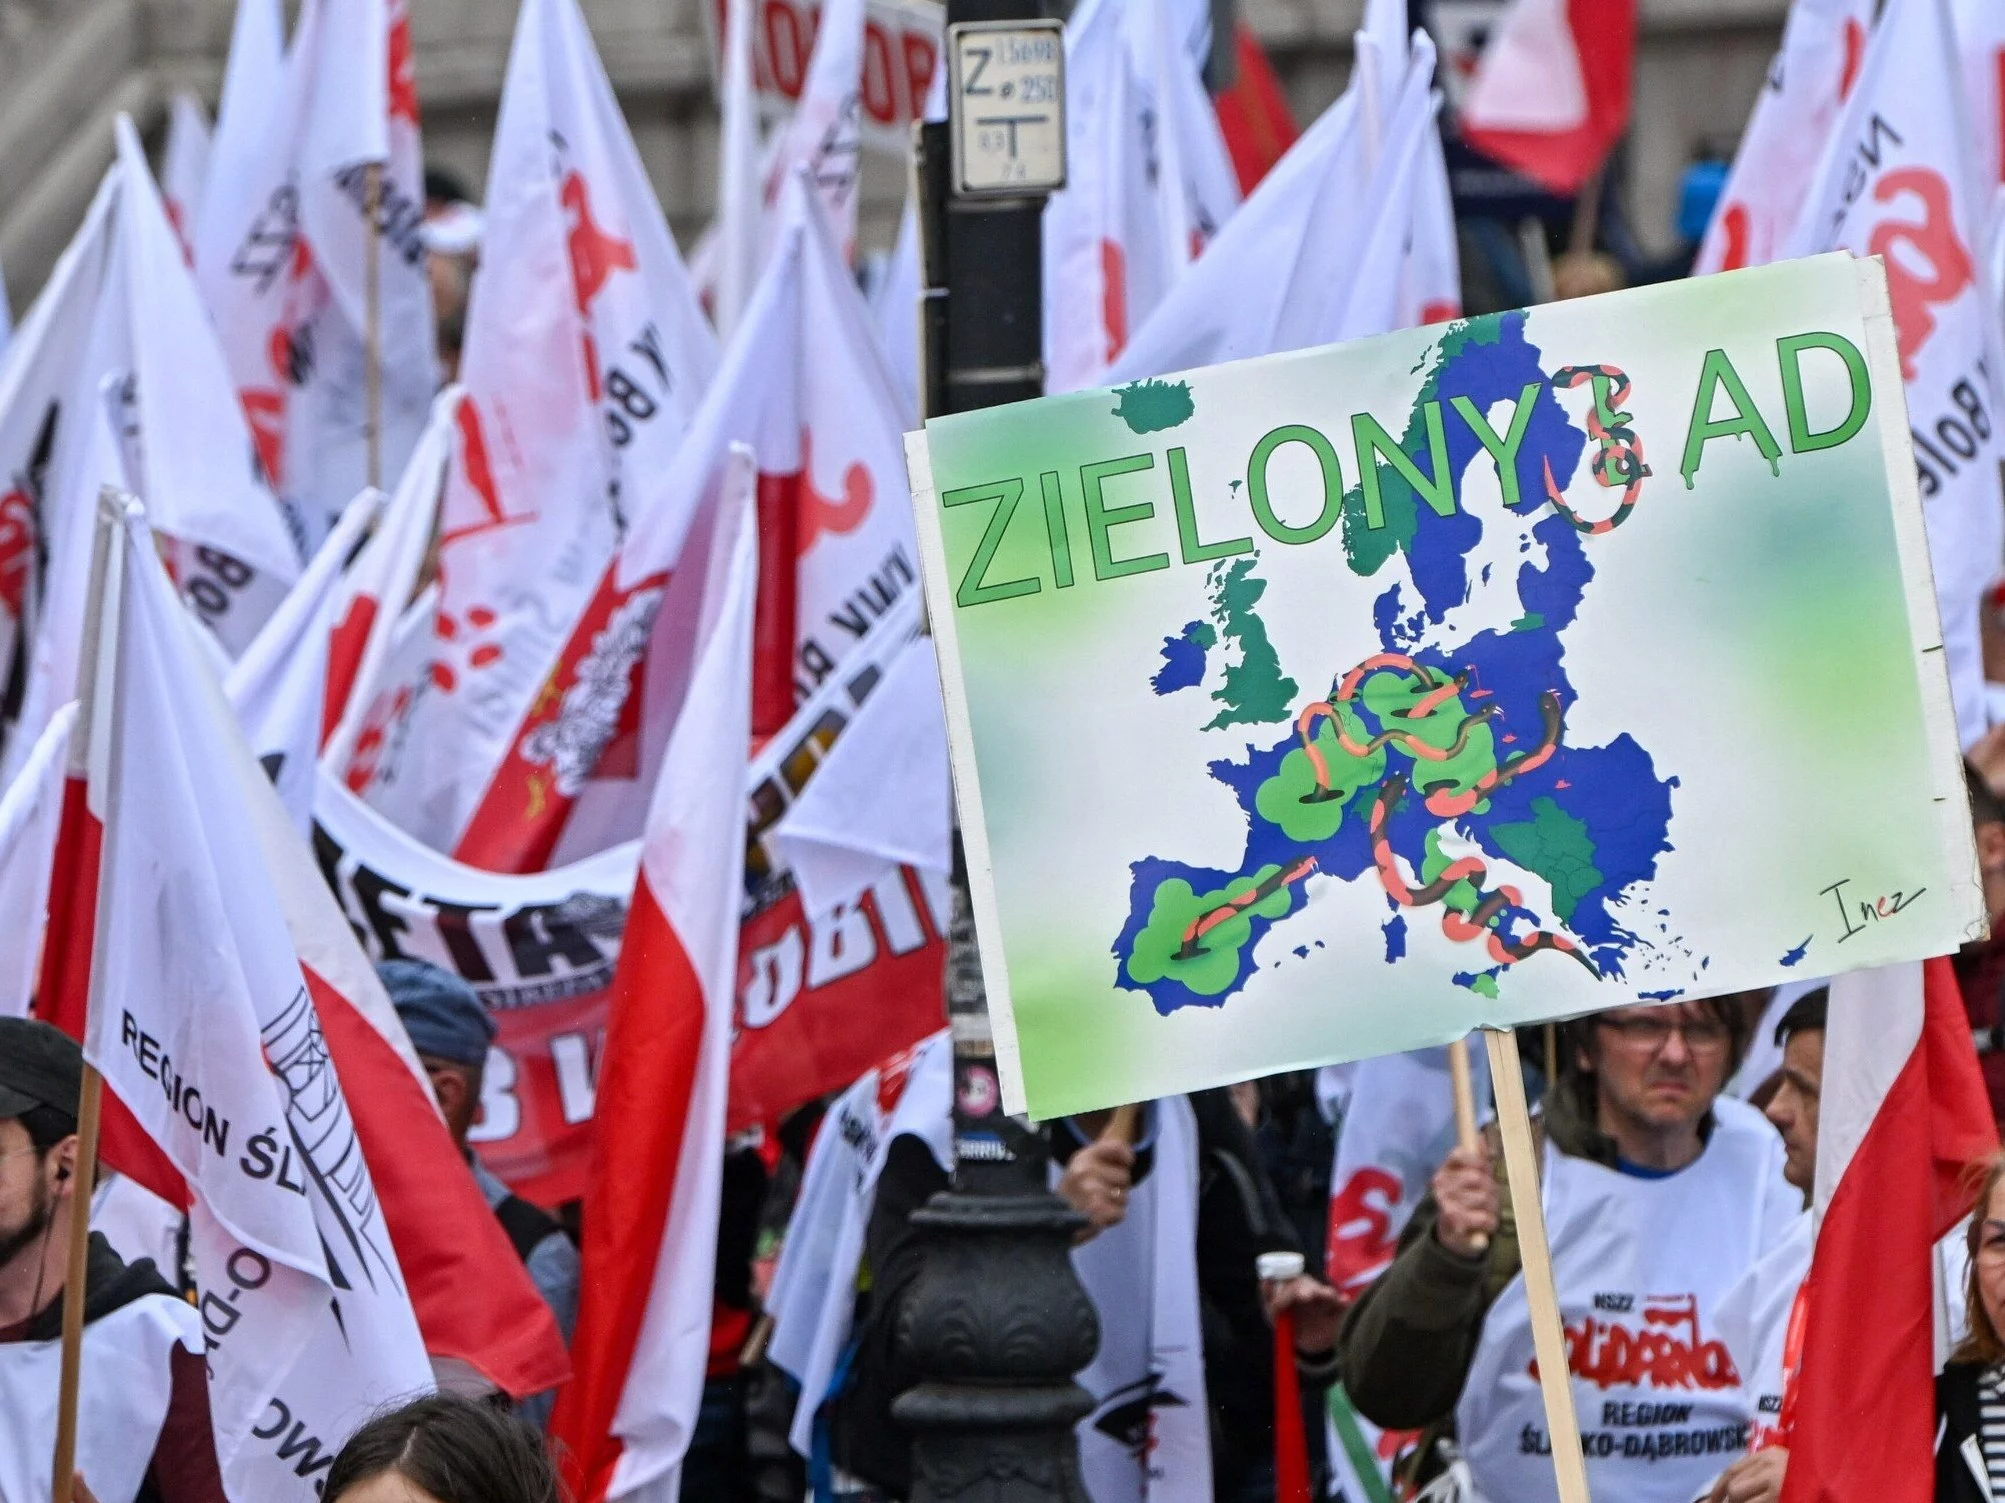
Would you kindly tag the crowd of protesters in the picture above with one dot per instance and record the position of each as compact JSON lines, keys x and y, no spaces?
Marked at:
{"x":1667,"y":1200}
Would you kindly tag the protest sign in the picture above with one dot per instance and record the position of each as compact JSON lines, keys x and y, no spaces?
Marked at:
{"x":818,"y":1001}
{"x":1611,"y":674}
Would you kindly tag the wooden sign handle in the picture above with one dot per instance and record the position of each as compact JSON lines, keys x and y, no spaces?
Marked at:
{"x":1121,"y":1126}
{"x":1548,"y":1331}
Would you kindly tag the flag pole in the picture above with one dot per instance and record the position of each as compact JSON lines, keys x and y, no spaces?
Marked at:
{"x":372,"y":336}
{"x":110,"y":518}
{"x":1507,"y":1082}
{"x":88,"y":1105}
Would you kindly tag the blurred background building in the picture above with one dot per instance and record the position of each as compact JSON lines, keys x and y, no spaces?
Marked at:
{"x":67,"y":67}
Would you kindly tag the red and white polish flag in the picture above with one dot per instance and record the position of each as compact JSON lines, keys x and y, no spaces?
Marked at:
{"x":586,"y":354}
{"x":279,"y":685}
{"x":215,"y":1053}
{"x":1904,"y":1116}
{"x":642,"y":1342}
{"x":1899,"y":180}
{"x":1823,"y":47}
{"x":1552,"y":91}
{"x":374,"y":591}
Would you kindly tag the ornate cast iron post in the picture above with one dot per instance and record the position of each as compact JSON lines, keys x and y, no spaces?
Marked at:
{"x":997,"y":1323}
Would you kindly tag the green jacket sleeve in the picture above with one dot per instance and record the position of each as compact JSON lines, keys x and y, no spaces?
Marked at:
{"x":1407,"y":1343}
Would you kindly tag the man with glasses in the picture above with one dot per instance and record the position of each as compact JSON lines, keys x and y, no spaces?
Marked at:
{"x":1659,"y":1195}
{"x":143,"y":1412}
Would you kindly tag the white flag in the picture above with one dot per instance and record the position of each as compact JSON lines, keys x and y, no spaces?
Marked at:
{"x":881,"y":798}
{"x":1379,"y":299}
{"x":1899,"y":180}
{"x":184,"y":167}
{"x":823,"y":138}
{"x":217,"y":1052}
{"x":124,"y":384}
{"x":38,"y":416}
{"x":1149,"y":184}
{"x":284,"y":255}
{"x":1980,"y":36}
{"x":739,"y":189}
{"x":1286,"y":272}
{"x":1430,"y":278}
{"x":813,"y":1298}
{"x":804,"y":385}
{"x":586,"y":354}
{"x":1823,"y":44}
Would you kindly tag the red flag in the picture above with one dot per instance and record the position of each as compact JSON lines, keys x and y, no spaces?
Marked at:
{"x":1905,"y":1115}
{"x":1551,"y":94}
{"x":625,"y":1419}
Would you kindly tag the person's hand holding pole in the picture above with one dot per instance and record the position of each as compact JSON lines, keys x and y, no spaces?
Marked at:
{"x":1467,"y":1204}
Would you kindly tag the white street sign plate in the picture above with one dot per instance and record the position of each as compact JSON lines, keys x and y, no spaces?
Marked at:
{"x":1007,"y":106}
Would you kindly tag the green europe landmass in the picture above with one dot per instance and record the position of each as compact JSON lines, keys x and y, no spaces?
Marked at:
{"x":1255,"y":690}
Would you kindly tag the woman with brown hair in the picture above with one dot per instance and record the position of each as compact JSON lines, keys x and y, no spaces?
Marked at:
{"x":1970,"y":1394}
{"x":442,"y":1449}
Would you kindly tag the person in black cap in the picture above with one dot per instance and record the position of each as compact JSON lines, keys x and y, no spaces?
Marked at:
{"x":143,"y":1421}
{"x":451,"y":1032}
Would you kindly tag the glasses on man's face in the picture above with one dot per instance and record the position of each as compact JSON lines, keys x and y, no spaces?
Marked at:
{"x":1648,"y":1034}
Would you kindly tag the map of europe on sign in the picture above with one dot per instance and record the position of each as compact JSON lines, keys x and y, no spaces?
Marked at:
{"x":1335,"y":703}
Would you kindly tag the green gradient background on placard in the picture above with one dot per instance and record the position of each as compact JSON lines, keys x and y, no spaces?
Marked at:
{"x":1752,"y":634}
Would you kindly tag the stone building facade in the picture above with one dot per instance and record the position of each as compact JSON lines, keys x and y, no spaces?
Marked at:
{"x":68,"y":67}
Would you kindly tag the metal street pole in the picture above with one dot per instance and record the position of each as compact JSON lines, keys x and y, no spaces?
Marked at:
{"x":997,"y":1323}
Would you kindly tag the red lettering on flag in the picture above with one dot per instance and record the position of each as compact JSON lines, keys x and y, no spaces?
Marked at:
{"x":1114,"y":296}
{"x":595,"y":256}
{"x":17,"y":548}
{"x":1733,"y":223}
{"x":1362,"y":1241}
{"x":479,"y":472}
{"x":403,"y":77}
{"x":1935,"y":269}
{"x":1855,"y":54}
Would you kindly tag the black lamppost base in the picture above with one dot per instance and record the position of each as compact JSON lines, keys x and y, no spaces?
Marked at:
{"x":998,"y":1323}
